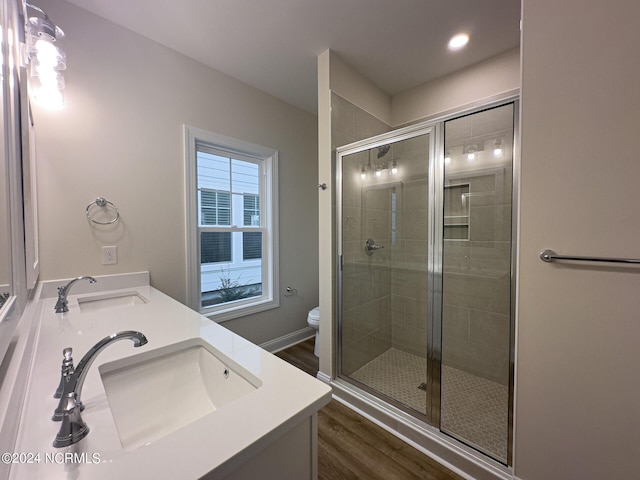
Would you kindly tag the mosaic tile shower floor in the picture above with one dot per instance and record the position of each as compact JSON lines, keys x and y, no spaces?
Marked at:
{"x":474,"y":409}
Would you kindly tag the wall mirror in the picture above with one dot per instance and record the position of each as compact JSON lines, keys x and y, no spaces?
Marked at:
{"x":18,"y":212}
{"x":6,"y":102}
{"x":5,"y":245}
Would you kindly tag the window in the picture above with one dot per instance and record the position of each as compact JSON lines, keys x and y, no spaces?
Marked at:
{"x":215,"y":247}
{"x":251,"y":241}
{"x":231,"y":225}
{"x":215,"y":208}
{"x":251,"y":210}
{"x":251,"y":245}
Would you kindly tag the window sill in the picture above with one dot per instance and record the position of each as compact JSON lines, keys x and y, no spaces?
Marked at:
{"x":242,"y":310}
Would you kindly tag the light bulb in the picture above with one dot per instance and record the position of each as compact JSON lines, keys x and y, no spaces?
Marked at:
{"x":363,"y":174}
{"x":47,"y":53}
{"x":497,"y":149}
{"x":471,"y":157}
{"x":458,"y":41}
{"x":50,"y":78}
{"x":447,"y":158}
{"x":378,"y":173}
{"x":394,"y":168}
{"x":49,"y":97}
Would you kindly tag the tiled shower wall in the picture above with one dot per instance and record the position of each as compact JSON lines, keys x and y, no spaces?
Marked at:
{"x":384,"y":296}
{"x":477,"y":270}
{"x":366,"y":318}
{"x":350,"y":123}
{"x":476,"y":283}
{"x":409,"y":288}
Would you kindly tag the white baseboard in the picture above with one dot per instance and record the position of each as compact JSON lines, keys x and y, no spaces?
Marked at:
{"x":288,"y":340}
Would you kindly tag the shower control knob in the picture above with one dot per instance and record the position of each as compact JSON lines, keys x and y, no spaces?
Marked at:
{"x":370,"y":246}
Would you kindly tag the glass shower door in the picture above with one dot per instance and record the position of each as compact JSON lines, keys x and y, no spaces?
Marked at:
{"x":476,"y":297}
{"x":384,"y":215}
{"x":425,"y":273}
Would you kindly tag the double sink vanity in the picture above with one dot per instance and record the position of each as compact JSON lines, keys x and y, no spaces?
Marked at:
{"x":194,"y":401}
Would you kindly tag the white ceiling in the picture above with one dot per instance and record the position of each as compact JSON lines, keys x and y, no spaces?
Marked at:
{"x":273,"y":44}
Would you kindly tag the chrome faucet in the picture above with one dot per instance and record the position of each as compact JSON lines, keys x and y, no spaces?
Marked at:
{"x":62,"y":304}
{"x":73,"y":428}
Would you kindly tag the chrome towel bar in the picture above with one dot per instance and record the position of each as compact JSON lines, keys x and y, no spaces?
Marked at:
{"x":550,"y":256}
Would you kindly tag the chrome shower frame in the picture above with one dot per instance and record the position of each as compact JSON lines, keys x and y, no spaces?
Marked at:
{"x":381,"y":409}
{"x":435,"y":182}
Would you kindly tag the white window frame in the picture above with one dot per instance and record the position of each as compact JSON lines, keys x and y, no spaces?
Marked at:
{"x":268,"y":158}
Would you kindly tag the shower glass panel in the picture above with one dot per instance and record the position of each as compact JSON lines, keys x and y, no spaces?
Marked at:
{"x":425,"y":273}
{"x":385,"y":259}
{"x":476,"y":296}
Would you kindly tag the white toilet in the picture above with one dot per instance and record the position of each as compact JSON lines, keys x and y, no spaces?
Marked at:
{"x":314,"y":322}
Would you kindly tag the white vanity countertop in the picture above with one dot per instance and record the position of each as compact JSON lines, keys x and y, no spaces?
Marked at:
{"x":217,"y":442}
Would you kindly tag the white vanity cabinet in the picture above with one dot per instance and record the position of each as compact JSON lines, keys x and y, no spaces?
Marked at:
{"x":267,"y":432}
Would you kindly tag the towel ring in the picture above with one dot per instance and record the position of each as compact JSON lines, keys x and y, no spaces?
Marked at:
{"x":103,"y":202}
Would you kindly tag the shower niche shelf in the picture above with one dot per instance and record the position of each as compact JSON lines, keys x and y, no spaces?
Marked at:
{"x":456,"y":212}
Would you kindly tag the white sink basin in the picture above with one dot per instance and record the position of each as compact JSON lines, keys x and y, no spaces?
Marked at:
{"x":100,"y":302}
{"x":156,"y":393}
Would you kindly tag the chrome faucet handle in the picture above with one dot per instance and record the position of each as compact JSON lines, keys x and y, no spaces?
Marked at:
{"x":371,"y":246}
{"x":66,"y":386}
{"x":73,"y":429}
{"x":67,"y":365}
{"x":62,"y":305}
{"x":73,"y":378}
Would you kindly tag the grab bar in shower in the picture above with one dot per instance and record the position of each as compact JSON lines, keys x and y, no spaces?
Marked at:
{"x":550,"y":256}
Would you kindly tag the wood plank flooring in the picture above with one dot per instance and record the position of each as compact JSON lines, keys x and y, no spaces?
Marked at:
{"x":350,"y":447}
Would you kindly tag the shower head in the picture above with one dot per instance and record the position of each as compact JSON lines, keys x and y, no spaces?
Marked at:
{"x":383,"y":150}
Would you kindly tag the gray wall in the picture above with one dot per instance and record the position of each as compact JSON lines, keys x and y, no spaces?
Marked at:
{"x":120,"y":137}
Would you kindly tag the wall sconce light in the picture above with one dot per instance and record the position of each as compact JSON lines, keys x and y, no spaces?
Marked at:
{"x":377,"y":171}
{"x":46,"y":59}
{"x":497,"y":148}
{"x":470,"y":153}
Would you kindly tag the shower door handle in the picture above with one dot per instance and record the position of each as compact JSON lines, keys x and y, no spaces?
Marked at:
{"x":370,"y":246}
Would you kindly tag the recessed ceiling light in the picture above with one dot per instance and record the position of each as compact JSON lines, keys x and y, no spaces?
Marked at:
{"x":458,"y":41}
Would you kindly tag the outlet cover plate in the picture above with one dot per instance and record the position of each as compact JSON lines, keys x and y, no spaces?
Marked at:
{"x":109,"y":255}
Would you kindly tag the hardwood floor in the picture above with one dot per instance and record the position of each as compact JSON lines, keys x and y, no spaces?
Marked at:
{"x":352,"y":447}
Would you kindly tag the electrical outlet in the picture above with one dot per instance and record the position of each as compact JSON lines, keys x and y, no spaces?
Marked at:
{"x":109,"y":255}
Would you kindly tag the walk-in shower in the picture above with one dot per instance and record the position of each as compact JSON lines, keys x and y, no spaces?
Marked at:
{"x":425,"y":273}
